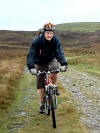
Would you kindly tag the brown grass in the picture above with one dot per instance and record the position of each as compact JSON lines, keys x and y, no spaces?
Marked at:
{"x":93,"y":60}
{"x":11,"y":68}
{"x":10,"y":72}
{"x":12,"y":54}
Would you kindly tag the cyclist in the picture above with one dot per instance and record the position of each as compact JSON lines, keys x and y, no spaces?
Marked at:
{"x":46,"y":52}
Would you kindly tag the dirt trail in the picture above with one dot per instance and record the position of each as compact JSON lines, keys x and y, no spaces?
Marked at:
{"x":85,"y":90}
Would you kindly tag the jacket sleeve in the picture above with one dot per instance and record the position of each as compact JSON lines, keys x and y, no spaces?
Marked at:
{"x":32,"y":55}
{"x":60,"y":54}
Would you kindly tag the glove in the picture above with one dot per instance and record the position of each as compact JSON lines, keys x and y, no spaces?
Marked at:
{"x":33,"y":71}
{"x":63,"y":68}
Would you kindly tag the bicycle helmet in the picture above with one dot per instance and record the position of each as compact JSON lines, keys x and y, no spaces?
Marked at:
{"x":49,"y":27}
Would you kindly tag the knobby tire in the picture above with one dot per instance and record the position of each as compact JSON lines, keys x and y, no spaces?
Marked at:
{"x":52,"y":108}
{"x":47,"y":106}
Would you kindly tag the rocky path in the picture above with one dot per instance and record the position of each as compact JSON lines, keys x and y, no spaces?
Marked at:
{"x":85,"y":90}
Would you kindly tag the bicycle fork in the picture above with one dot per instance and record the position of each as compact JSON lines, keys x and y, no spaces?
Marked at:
{"x":53,"y":93}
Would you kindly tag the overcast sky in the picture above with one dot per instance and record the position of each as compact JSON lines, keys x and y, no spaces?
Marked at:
{"x":33,"y":14}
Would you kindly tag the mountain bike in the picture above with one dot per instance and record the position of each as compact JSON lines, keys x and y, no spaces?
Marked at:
{"x":50,"y":95}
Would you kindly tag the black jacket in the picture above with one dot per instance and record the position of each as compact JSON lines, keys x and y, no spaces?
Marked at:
{"x":43,"y":51}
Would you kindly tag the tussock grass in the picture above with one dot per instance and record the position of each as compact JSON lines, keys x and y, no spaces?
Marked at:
{"x":12,"y":54}
{"x":10,"y":72}
{"x":12,"y":63}
{"x":88,"y":59}
{"x":11,"y":68}
{"x":88,"y":63}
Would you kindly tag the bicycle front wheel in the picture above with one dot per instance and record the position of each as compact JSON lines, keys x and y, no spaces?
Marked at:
{"x":47,"y":105}
{"x":52,"y":108}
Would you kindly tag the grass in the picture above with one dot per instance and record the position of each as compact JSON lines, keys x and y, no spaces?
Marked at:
{"x":79,"y":26}
{"x":88,"y":69}
{"x":86,"y":63}
{"x":11,"y":68}
{"x":6,"y":55}
{"x":10,"y":72}
{"x":68,"y":118}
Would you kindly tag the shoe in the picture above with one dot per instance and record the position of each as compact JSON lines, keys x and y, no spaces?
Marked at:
{"x":57,"y":91}
{"x":41,"y":111}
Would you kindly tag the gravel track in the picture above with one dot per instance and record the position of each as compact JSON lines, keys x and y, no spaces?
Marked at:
{"x":85,"y":90}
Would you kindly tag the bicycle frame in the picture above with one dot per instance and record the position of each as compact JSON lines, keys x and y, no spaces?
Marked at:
{"x":49,"y":85}
{"x":48,"y":81}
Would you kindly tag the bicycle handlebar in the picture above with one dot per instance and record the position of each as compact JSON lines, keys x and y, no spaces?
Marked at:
{"x":47,"y":72}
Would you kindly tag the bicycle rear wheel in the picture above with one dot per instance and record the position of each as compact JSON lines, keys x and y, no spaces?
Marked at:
{"x":52,"y":108}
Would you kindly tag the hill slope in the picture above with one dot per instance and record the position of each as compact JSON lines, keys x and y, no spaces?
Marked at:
{"x":73,"y":42}
{"x":79,"y":27}
{"x":7,"y":36}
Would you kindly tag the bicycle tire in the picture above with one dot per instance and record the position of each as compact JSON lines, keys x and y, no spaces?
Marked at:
{"x":52,"y":108}
{"x":47,"y":106}
{"x":55,"y":102}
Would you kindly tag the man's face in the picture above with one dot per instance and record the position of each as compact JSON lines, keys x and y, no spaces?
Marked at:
{"x":48,"y":35}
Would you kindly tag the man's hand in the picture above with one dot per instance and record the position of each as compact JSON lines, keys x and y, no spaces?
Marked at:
{"x":63,"y":68}
{"x":33,"y":71}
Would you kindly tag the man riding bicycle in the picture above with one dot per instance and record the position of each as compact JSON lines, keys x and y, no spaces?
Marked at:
{"x":45,"y":53}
